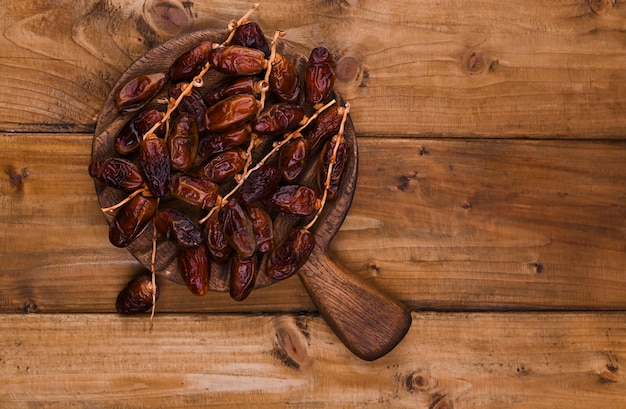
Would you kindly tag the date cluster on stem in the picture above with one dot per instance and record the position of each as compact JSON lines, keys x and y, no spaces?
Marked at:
{"x":236,"y":154}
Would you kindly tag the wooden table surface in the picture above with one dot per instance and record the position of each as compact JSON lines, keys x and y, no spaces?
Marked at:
{"x":491,"y":199}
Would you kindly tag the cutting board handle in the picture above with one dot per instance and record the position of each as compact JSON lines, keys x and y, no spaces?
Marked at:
{"x":367,"y":321}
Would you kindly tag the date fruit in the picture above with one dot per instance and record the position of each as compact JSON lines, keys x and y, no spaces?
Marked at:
{"x":243,"y":272}
{"x":190,"y":63}
{"x":177,"y":227}
{"x":131,"y":220}
{"x":138,"y":91}
{"x":117,"y":173}
{"x":299,"y":200}
{"x":195,"y":269}
{"x":136,"y":297}
{"x":319,"y":75}
{"x":290,"y":254}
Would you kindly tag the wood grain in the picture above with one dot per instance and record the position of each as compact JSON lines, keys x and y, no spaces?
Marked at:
{"x":488,"y":360}
{"x":456,"y":224}
{"x":537,"y":68}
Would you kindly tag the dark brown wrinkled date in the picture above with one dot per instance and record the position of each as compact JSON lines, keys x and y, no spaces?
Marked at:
{"x":291,"y":254}
{"x":131,"y":220}
{"x":139,"y":91}
{"x":117,"y":173}
{"x":136,"y":297}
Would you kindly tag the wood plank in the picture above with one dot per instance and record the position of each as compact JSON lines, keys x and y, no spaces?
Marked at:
{"x":479,"y":360}
{"x":439,"y":224}
{"x":538,"y":68}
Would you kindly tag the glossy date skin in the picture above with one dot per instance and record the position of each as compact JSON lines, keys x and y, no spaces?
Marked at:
{"x":261,"y":184}
{"x":283,"y":81}
{"x":117,"y":173}
{"x":177,"y":227}
{"x":326,"y":125}
{"x":292,"y":158}
{"x":155,"y":164}
{"x":195,"y":268}
{"x":138,"y":91}
{"x":323,"y":164}
{"x":129,"y":137}
{"x":290,"y":254}
{"x":225,"y":165}
{"x":217,"y":142}
{"x":236,"y":86}
{"x":183,"y":142}
{"x":219,"y":249}
{"x":192,"y":104}
{"x":238,"y":229}
{"x":251,"y":35}
{"x":230,"y":112}
{"x":131,"y":220}
{"x":319,"y":75}
{"x":237,"y":60}
{"x":136,"y":297}
{"x":278,"y":119}
{"x":195,"y":190}
{"x":190,"y":63}
{"x":299,"y":200}
{"x":262,"y":227}
{"x":243,"y":272}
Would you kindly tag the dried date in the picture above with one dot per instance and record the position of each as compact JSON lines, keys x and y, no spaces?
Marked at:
{"x":216,"y":243}
{"x":155,"y":164}
{"x":261,"y":184}
{"x":195,"y":268}
{"x":225,"y":165}
{"x":292,"y":158}
{"x":238,"y":229}
{"x":283,"y":81}
{"x":237,"y":60}
{"x":319,"y":75}
{"x":262,"y":227}
{"x":299,"y":200}
{"x":190,"y":63}
{"x":339,"y":163}
{"x":177,"y":227}
{"x":290,"y":254}
{"x":278,"y":119}
{"x":136,"y":297}
{"x":138,"y":91}
{"x":183,"y":142}
{"x":251,"y":35}
{"x":194,"y":190}
{"x":230,"y":112}
{"x":243,"y":272}
{"x":130,"y":135}
{"x":131,"y":220}
{"x":216,"y":142}
{"x":117,"y":173}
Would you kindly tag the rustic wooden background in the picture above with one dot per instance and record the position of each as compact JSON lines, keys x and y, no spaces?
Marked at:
{"x":491,"y":199}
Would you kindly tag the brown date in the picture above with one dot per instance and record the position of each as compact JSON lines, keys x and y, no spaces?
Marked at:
{"x":136,"y":297}
{"x":290,"y":255}
{"x":251,"y":35}
{"x":183,"y":142}
{"x":319,"y":75}
{"x":129,"y":137}
{"x":117,"y":173}
{"x":194,"y":190}
{"x":292,"y":158}
{"x":192,"y":104}
{"x":230,"y":112}
{"x":248,"y":85}
{"x":323,"y":163}
{"x":190,"y":63}
{"x":155,"y":164}
{"x":326,"y":125}
{"x":177,"y":227}
{"x":262,"y":226}
{"x":238,"y":229}
{"x":260,"y":184}
{"x":299,"y":200}
{"x":216,"y":243}
{"x":237,"y":60}
{"x":195,"y":268}
{"x":278,"y":119}
{"x":138,"y":91}
{"x":243,"y":272}
{"x":225,"y":165}
{"x":283,"y":81}
{"x":131,"y":220}
{"x":217,"y":142}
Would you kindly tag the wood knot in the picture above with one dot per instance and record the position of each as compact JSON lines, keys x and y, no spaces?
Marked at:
{"x":16,"y":177}
{"x":418,"y":381}
{"x":475,"y":63}
{"x":167,"y":17}
{"x":348,"y":69}
{"x":291,"y":343}
{"x":601,"y":6}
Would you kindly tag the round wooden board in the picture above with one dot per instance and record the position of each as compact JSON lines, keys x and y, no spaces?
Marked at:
{"x":111,"y":121}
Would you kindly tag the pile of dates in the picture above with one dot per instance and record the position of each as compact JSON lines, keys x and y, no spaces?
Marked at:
{"x":215,"y":167}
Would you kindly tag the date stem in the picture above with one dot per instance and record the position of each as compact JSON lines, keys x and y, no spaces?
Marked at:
{"x":333,"y":159}
{"x":270,"y":64}
{"x":124,"y":201}
{"x":153,"y":271}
